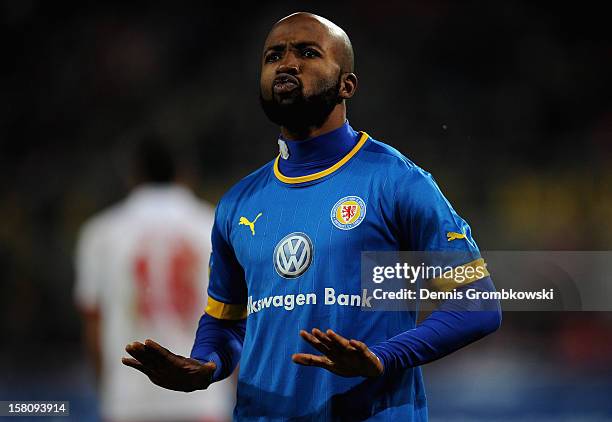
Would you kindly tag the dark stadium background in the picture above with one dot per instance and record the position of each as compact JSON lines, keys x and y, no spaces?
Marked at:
{"x":507,"y":103}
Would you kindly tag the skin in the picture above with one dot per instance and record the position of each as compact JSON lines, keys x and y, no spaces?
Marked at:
{"x":167,"y":369}
{"x":347,"y":358}
{"x":312,"y":50}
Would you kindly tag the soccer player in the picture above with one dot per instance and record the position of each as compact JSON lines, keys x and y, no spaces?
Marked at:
{"x":287,"y":241}
{"x":141,"y":272}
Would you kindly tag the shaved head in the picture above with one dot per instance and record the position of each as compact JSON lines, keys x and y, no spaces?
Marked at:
{"x":341,"y":42}
{"x":306,"y":75}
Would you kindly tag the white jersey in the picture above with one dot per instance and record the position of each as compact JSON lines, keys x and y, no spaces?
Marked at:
{"x":143,"y":264}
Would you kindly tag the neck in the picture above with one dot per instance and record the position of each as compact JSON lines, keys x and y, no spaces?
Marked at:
{"x":312,"y":155}
{"x":335,"y":119}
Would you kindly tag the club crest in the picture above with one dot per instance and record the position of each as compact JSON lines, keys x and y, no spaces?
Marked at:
{"x":348,"y":212}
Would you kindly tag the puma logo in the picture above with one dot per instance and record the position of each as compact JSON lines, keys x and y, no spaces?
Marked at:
{"x":245,"y":222}
{"x":454,"y":235}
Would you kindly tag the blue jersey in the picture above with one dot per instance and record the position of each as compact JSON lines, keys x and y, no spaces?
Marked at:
{"x":286,"y":255}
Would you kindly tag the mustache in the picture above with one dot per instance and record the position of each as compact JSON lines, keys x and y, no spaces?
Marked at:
{"x":299,"y":111}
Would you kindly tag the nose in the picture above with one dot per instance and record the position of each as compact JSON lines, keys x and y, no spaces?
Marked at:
{"x":289,"y":64}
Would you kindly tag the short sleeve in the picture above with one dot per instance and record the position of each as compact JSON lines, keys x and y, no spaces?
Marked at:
{"x":429,"y":223}
{"x":88,"y":267}
{"x":227,"y":293}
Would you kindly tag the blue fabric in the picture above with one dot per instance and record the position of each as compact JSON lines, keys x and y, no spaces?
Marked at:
{"x":317,"y":154}
{"x":456,"y":323}
{"x":219,"y":341}
{"x":378,"y":201}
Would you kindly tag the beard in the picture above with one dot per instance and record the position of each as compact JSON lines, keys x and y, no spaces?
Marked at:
{"x":299,"y":113}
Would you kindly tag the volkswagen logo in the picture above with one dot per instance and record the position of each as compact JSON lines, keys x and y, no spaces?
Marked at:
{"x":293,"y":255}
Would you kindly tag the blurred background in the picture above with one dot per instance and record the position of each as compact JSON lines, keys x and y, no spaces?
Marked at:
{"x":508,"y":104}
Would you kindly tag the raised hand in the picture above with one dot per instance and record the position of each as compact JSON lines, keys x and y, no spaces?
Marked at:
{"x":347,"y":358}
{"x":168,"y":370}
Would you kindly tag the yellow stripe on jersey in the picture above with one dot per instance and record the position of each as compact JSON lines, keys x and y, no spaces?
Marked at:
{"x":323,"y":173}
{"x":222,"y":310}
{"x":461,"y":276}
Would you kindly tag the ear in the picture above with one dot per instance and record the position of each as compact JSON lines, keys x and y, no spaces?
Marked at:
{"x":348,"y":85}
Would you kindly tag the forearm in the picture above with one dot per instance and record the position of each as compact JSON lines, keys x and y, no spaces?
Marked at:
{"x":455,"y":324}
{"x":219,"y":341}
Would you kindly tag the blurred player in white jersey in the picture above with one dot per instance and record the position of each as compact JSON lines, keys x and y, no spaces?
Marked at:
{"x":142,"y":272}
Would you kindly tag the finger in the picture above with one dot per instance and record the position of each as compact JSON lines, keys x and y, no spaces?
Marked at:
{"x":324,"y":339}
{"x":314,"y":342}
{"x":143,"y":354}
{"x":159,"y":350}
{"x":133,"y":346}
{"x":312,"y":360}
{"x":335,"y":349}
{"x":162,"y":355}
{"x":133,"y":363}
{"x":339,"y":340}
{"x":211,"y":366}
{"x":360,"y":346}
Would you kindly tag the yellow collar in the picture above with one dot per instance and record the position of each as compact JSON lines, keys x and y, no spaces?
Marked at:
{"x":323,"y":173}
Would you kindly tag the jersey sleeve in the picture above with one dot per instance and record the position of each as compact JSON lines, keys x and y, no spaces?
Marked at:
{"x":429,"y":223}
{"x":88,"y":267}
{"x":227,"y":293}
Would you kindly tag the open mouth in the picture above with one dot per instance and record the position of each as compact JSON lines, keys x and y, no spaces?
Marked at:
{"x":284,"y":84}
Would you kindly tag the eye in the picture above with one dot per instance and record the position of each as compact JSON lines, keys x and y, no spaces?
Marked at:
{"x":272,"y":57}
{"x":310,"y":53}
